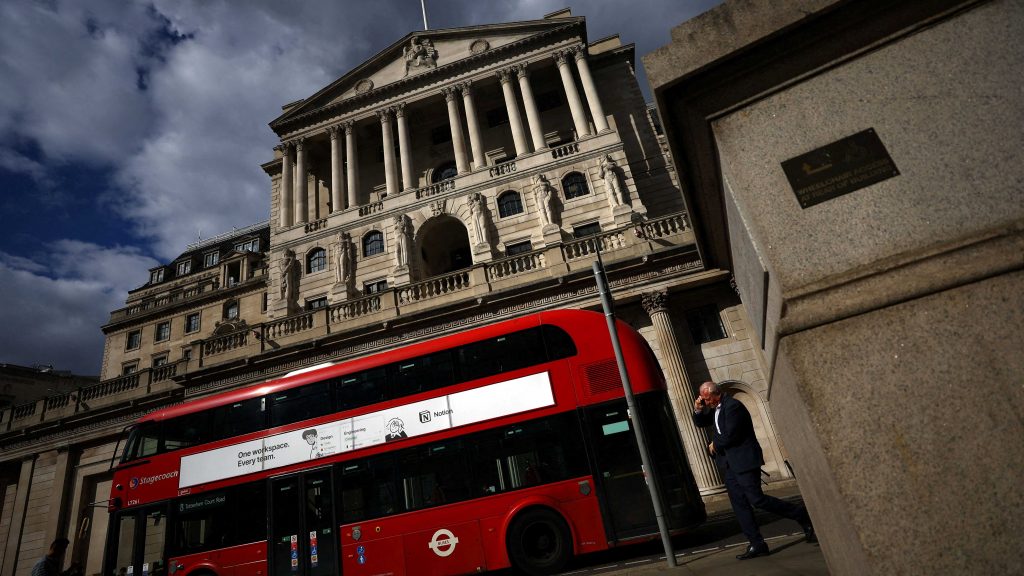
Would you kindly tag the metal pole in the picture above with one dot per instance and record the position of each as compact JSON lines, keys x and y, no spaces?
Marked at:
{"x":423,"y":7}
{"x":634,"y":414}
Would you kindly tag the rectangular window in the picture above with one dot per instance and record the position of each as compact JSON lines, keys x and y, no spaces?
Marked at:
{"x":584,"y":230}
{"x":300,"y":403}
{"x":131,"y":368}
{"x":518,"y":248}
{"x":219,"y":519}
{"x":192,"y":322}
{"x":705,"y":324}
{"x":263,"y":305}
{"x":252,"y":245}
{"x":159,"y":361}
{"x":156,"y":276}
{"x":186,"y":354}
{"x":163,"y":331}
{"x":316,"y":303}
{"x":238,"y":418}
{"x":375,"y":287}
{"x":361,"y":389}
{"x":211,"y":259}
{"x":183,"y":268}
{"x":133,"y":340}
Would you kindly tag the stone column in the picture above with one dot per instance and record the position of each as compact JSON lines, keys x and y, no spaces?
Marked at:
{"x":404,"y":148}
{"x":704,"y":470}
{"x":474,"y":125}
{"x":515,"y":121}
{"x":285,"y":208}
{"x":18,"y":516}
{"x":302,"y":181}
{"x":337,"y":180}
{"x":60,"y":495}
{"x":461,"y":161}
{"x":353,"y":163}
{"x":590,"y":89}
{"x":532,"y":114}
{"x":579,"y":116}
{"x":390,"y":175}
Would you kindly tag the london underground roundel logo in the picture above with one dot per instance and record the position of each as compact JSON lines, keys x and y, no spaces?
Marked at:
{"x":443,"y":542}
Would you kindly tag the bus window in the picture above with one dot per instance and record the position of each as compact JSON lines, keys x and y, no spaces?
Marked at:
{"x":368,"y":488}
{"x":534,"y":453}
{"x":299,"y":404}
{"x":434,"y":474}
{"x":143,"y":441}
{"x":200,"y":524}
{"x":125,"y":542}
{"x":153,"y":543}
{"x":238,"y":418}
{"x":502,"y":354}
{"x":417,"y":375}
{"x":557,"y":343}
{"x":184,"y":431}
{"x":360,"y":389}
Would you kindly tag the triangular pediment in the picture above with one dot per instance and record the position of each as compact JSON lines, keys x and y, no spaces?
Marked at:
{"x":424,"y":52}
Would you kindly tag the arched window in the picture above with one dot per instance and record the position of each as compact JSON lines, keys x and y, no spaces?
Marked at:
{"x":574,"y":185}
{"x":316,"y":261}
{"x":509,"y":203}
{"x":444,"y":172}
{"x":373,"y":243}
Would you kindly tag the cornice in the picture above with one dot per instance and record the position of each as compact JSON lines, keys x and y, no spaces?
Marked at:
{"x":252,"y":285}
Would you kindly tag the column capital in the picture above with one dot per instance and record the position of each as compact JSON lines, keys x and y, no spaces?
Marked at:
{"x":284,"y":147}
{"x":505,"y":75}
{"x":654,"y":302}
{"x":561,"y":56}
{"x":333,"y":132}
{"x":348,"y":125}
{"x":579,"y":51}
{"x":466,"y":88}
{"x":399,"y":110}
{"x":299,"y":143}
{"x":450,"y":93}
{"x":521,"y":71}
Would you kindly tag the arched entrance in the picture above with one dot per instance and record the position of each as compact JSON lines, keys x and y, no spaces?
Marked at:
{"x":444,"y":246}
{"x":774,"y":461}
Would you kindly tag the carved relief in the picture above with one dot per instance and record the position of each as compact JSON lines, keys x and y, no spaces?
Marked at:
{"x":654,"y":302}
{"x":438,"y":207}
{"x":364,"y":86}
{"x":479,"y":46}
{"x":419,"y":55}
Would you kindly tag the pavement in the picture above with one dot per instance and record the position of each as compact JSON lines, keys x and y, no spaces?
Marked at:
{"x":711,"y":549}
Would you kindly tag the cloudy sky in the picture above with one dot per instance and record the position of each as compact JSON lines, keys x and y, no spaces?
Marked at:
{"x":130,"y":128}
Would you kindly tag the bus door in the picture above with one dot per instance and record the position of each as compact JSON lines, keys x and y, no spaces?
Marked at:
{"x":136,"y":542}
{"x":303,"y":539}
{"x":627,"y":502}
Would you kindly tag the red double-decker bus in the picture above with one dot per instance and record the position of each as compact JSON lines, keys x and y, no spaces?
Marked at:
{"x":507,"y":445}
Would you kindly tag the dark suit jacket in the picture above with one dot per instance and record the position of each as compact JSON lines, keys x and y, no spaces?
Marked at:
{"x":736,"y":446}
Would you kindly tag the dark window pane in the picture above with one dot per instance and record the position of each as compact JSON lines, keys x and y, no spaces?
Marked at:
{"x":501,"y":354}
{"x":586,"y":230}
{"x":574,"y":185}
{"x":419,"y":374}
{"x":373,"y":243}
{"x":705,"y":324}
{"x":300,"y":403}
{"x":518,"y":248}
{"x":238,"y":418}
{"x":509,"y":203}
{"x":360,"y":389}
{"x":557,"y":342}
{"x":368,"y":488}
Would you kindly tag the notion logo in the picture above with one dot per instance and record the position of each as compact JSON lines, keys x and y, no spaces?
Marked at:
{"x":443,"y":542}
{"x":425,"y":416}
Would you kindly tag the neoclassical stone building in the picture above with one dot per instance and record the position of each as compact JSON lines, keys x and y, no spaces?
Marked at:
{"x":457,"y":178}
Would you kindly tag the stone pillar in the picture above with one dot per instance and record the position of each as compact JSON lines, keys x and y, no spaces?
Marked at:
{"x":59,"y":497}
{"x":337,"y":180}
{"x":461,"y":161}
{"x":532,"y":114}
{"x":285,"y":208}
{"x":515,"y":121}
{"x":579,"y":116}
{"x":704,"y":470}
{"x":404,"y":148}
{"x":390,"y":175}
{"x":302,"y":181}
{"x":18,"y":516}
{"x":353,"y":163}
{"x":474,"y":125}
{"x":590,"y":89}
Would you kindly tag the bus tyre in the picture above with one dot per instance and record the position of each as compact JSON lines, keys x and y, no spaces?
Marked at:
{"x":539,"y":543}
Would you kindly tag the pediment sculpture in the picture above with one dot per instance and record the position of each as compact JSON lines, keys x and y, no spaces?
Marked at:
{"x":419,"y":55}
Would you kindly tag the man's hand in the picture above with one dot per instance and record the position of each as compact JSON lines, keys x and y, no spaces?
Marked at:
{"x":698,"y":404}
{"x":711,"y":448}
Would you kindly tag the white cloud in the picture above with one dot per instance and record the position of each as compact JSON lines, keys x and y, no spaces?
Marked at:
{"x":53,"y":309}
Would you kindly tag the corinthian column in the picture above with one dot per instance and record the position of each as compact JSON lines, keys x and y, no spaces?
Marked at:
{"x":579,"y":116}
{"x":302,"y":179}
{"x":458,"y":144}
{"x":284,"y":206}
{"x":337,"y":181}
{"x":353,"y":163}
{"x":532,"y":114}
{"x":474,"y":124}
{"x":515,"y":121}
{"x":390,"y":176}
{"x":590,"y":89}
{"x":704,"y":470}
{"x":404,"y":149}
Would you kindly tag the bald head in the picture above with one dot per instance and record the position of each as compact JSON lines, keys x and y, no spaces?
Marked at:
{"x":710,"y":394}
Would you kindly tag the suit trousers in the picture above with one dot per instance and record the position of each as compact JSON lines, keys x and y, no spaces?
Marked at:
{"x":745,"y":494}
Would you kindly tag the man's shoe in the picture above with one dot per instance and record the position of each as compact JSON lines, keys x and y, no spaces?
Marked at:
{"x":753,"y":551}
{"x":809,"y":536}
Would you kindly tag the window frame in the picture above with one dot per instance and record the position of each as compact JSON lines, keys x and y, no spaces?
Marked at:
{"x":183,"y":267}
{"x":156,"y":276}
{"x":578,"y":230}
{"x":582,"y":179}
{"x":516,"y":248}
{"x":199,"y":322}
{"x":316,"y":303}
{"x":162,"y":331}
{"x":249,"y":245}
{"x":371,"y":238}
{"x":229,"y":305}
{"x":316,"y":257}
{"x":137,"y":334}
{"x":508,"y":194}
{"x":211,"y":259}
{"x":378,"y":286}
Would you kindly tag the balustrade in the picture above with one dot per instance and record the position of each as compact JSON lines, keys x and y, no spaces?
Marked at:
{"x":667,"y":226}
{"x":502,"y":169}
{"x":24,"y":411}
{"x":115,"y":386}
{"x":566,"y":150}
{"x":367,"y":209}
{"x":433,"y":287}
{"x":220,"y":344}
{"x":317,"y":225}
{"x":354,"y":308}
{"x":514,"y":265}
{"x":607,"y":241}
{"x":434,"y":189}
{"x":290,"y":325}
{"x":54,"y":402}
{"x":166,"y":372}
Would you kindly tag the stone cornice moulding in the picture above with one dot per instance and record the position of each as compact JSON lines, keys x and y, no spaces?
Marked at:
{"x":573,"y":31}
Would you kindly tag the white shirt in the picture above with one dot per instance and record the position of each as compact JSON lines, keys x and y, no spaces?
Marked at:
{"x":718,"y":410}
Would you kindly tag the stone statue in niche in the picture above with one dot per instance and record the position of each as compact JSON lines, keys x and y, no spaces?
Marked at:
{"x":478,"y":212}
{"x":403,"y":240}
{"x":289,"y":276}
{"x":419,"y":55}
{"x":610,"y":175}
{"x":343,"y":260}
{"x":544,"y":195}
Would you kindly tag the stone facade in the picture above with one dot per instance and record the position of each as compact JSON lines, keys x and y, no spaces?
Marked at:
{"x":461,"y":177}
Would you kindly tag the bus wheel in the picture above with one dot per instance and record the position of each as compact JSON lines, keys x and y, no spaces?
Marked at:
{"x":539,"y":543}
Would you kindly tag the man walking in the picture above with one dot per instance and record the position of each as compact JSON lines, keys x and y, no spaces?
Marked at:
{"x":50,"y":564}
{"x":738,"y":456}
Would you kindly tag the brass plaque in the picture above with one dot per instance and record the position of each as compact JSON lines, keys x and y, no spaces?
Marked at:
{"x":839,"y":168}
